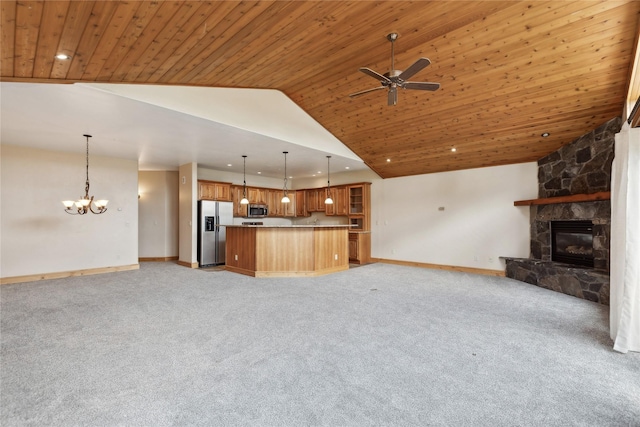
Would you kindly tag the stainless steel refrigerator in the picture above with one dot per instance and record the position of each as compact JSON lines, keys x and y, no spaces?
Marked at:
{"x":212,"y":237}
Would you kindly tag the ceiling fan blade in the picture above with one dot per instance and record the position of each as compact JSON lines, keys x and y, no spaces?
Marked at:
{"x":377,"y":76}
{"x":392,"y":97}
{"x":421,"y":85}
{"x":414,"y":68}
{"x":362,"y":92}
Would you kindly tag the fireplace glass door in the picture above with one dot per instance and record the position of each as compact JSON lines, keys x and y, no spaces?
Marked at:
{"x":572,"y":242}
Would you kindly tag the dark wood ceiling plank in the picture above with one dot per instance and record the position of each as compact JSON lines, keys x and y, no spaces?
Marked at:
{"x":186,"y":13}
{"x":137,"y":25}
{"x":123,"y":14}
{"x":74,"y":27}
{"x":54,"y":16}
{"x":28,"y":17}
{"x":139,"y":46}
{"x":8,"y":33}
{"x":238,"y":38}
{"x":264,"y":51}
{"x":211,"y":36}
{"x":97,"y":25}
{"x":183,"y":39}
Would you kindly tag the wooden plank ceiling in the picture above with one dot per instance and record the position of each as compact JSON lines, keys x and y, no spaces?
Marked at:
{"x":509,"y":71}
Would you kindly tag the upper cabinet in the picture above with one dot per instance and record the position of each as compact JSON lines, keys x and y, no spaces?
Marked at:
{"x":340,"y":202}
{"x":211,"y":190}
{"x":237,"y":193}
{"x":313,"y":202}
{"x":257,"y":195}
{"x":351,"y":201}
{"x":360,"y":206}
{"x":301,"y":203}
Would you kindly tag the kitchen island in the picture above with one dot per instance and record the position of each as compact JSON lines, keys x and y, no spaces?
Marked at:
{"x":287,"y":250}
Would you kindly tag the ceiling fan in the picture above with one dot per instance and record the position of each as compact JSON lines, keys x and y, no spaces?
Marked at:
{"x":394,"y":79}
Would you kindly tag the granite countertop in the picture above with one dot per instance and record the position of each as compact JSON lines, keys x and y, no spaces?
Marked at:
{"x":290,"y":226}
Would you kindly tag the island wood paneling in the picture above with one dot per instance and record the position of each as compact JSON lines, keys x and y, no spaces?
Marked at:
{"x":284,"y":250}
{"x":331,"y":247}
{"x":240,"y":249}
{"x":509,"y":70}
{"x":287,"y":251}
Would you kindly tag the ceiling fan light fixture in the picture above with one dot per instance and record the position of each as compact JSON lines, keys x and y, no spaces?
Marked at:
{"x":394,"y":79}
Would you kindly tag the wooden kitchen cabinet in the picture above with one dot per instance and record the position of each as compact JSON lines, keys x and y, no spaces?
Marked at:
{"x":340,"y":203}
{"x":301,"y":203}
{"x":312,"y":200}
{"x":279,"y":209}
{"x":360,"y":247}
{"x":210,"y":190}
{"x":359,"y":208}
{"x":257,"y":195}
{"x":237,"y":192}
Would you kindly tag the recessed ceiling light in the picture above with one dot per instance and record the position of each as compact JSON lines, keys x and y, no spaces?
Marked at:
{"x":62,"y":56}
{"x":259,"y":173}
{"x":229,"y":164}
{"x":319,"y":172}
{"x":545,"y":134}
{"x":388,"y":160}
{"x":313,"y":174}
{"x":346,"y":167}
{"x":290,"y":177}
{"x":453,"y":149}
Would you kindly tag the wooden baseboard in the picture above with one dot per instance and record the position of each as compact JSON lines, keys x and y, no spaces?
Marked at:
{"x":188,"y":264}
{"x":63,"y":274}
{"x":483,"y":271}
{"x":158,"y":259}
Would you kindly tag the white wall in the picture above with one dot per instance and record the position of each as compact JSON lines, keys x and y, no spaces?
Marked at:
{"x":38,"y":237}
{"x":187,"y":213}
{"x":158,"y":214}
{"x":478,"y":224}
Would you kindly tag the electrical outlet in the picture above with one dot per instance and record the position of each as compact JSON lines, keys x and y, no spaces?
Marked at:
{"x":236,"y":257}
{"x":336,"y":256}
{"x":490,"y":259}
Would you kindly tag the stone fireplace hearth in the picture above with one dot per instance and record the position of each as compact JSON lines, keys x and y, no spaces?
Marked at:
{"x":578,"y":170}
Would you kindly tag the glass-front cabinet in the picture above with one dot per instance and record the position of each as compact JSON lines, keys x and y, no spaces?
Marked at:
{"x":359,"y":206}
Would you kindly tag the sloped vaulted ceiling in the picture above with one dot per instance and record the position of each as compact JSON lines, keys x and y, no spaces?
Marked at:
{"x":509,"y":70}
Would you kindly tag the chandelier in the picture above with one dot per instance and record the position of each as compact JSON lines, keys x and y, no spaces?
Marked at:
{"x":85,"y":204}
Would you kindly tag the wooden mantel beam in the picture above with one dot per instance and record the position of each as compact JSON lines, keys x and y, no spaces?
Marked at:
{"x":602,"y":195}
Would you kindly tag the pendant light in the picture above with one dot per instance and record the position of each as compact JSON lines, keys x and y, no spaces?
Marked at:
{"x":285,"y":198}
{"x":85,"y":204}
{"x":244,"y":200}
{"x":328,"y":200}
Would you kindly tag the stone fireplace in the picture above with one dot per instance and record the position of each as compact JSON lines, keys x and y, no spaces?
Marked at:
{"x":573,"y":189}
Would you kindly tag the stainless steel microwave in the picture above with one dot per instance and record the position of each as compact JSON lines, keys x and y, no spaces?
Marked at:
{"x":257,"y":211}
